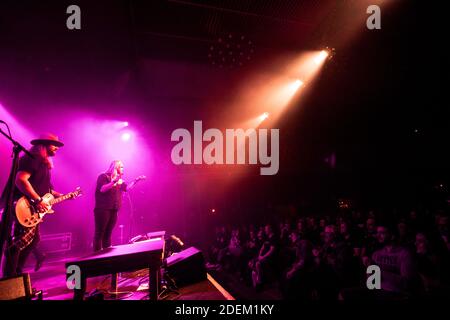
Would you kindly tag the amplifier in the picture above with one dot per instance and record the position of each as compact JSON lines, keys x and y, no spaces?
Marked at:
{"x":16,"y":287}
{"x":56,"y":242}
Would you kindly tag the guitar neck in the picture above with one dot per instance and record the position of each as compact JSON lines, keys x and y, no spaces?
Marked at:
{"x":61,"y":199}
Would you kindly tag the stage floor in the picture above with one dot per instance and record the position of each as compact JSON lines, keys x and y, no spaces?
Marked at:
{"x":51,"y":279}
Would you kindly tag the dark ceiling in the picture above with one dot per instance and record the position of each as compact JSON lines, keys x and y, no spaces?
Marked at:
{"x":271,"y":25}
{"x":165,"y":28}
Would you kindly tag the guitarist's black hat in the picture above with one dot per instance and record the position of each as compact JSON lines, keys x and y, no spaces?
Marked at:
{"x":47,"y":139}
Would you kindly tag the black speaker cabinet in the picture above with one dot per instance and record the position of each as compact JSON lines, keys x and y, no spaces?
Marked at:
{"x":16,"y":288}
{"x":186,"y":267}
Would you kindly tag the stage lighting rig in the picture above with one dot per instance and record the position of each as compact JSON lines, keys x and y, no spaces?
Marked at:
{"x":331,"y":52}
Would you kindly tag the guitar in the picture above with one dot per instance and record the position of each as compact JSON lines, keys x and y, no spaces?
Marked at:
{"x":26,"y":213}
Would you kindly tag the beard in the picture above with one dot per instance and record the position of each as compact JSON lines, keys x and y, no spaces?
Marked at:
{"x":51,"y":151}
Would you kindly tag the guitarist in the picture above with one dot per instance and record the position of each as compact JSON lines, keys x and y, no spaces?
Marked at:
{"x":108,"y":201}
{"x":33,"y":179}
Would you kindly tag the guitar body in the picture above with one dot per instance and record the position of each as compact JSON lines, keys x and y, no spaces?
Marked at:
{"x":25,"y":213}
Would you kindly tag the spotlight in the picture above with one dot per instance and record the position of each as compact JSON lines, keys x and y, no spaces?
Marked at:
{"x":126,"y":136}
{"x":331,"y":52}
{"x":297,"y":84}
{"x":264,"y":116}
{"x":289,"y":91}
{"x":321,"y":56}
{"x":125,"y":124}
{"x":326,"y":53}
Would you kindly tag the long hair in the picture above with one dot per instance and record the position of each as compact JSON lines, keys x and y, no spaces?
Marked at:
{"x":113,"y":169}
{"x":40,"y":151}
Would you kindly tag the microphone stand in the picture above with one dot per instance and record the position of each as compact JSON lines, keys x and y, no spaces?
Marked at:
{"x":132,"y":210}
{"x":7,"y":196}
{"x":16,"y":144}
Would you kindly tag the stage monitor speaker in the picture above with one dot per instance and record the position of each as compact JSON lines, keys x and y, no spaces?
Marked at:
{"x":186,"y":267}
{"x":16,"y":288}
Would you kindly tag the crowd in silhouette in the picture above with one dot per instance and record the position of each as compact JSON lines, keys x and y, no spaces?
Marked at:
{"x":313,"y":257}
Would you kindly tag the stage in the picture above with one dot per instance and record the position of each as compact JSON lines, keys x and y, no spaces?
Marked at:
{"x":51,"y":279}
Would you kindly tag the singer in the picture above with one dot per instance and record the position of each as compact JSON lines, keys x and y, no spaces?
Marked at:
{"x":108,"y":201}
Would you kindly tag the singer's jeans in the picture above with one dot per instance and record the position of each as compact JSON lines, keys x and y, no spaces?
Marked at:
{"x":105,"y":220}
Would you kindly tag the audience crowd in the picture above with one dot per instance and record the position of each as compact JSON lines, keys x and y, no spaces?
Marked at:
{"x":315,"y":257}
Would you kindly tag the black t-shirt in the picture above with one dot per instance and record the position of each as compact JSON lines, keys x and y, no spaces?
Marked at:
{"x":40,"y":175}
{"x":111,"y":199}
